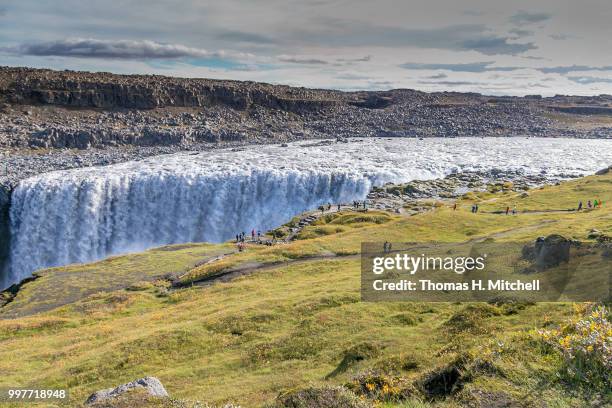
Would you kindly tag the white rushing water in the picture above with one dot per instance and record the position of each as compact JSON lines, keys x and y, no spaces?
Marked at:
{"x":86,"y":214}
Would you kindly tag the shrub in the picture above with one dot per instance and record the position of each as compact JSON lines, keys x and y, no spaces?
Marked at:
{"x":379,"y":387}
{"x":406,"y":319}
{"x":585,"y":342}
{"x":471,"y":318}
{"x":397,"y":363}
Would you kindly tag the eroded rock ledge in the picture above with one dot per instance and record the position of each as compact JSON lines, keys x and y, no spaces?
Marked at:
{"x":45,"y":109}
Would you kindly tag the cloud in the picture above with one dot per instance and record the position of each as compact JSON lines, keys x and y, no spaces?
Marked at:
{"x":299,"y":60}
{"x":118,"y":49}
{"x":473,"y":13}
{"x":586,"y":80}
{"x":244,"y":37}
{"x":465,"y":67}
{"x":560,"y":37}
{"x":523,"y":17}
{"x":449,"y":83}
{"x":572,"y":68}
{"x":520,"y":33}
{"x":332,"y":32}
{"x":362,"y":59}
{"x":437,"y":76}
{"x":352,"y":77}
{"x":496,"y":45}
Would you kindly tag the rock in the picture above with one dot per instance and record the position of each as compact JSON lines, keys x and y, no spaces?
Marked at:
{"x":152,"y":385}
{"x":604,"y":171}
{"x":524,"y":194}
{"x":594,"y":234}
{"x":551,"y":251}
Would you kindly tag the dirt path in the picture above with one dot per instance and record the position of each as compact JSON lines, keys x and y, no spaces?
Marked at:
{"x":250,"y":268}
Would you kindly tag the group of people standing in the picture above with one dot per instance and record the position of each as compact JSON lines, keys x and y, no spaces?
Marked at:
{"x":591,"y":204}
{"x":242,"y":236}
{"x":360,"y":204}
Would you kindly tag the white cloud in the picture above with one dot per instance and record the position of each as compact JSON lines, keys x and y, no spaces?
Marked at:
{"x":119,"y":49}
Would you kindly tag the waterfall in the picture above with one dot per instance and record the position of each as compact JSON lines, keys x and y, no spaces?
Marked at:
{"x":57,"y":220}
{"x":86,"y":214}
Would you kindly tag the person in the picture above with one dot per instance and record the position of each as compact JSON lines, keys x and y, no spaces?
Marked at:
{"x":385,"y":247}
{"x":589,"y":204}
{"x":507,"y":210}
{"x":328,"y":206}
{"x":595,"y":203}
{"x":365,"y":204}
{"x":338,"y":207}
{"x":473,"y":208}
{"x":580,"y":206}
{"x":455,"y":207}
{"x":514,"y":211}
{"x":476,"y":208}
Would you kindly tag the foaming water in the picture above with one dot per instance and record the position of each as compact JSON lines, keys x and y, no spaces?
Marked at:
{"x":86,"y":214}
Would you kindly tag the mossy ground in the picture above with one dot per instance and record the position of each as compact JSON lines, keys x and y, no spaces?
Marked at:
{"x":296,"y":324}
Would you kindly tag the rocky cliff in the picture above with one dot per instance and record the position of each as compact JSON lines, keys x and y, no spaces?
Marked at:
{"x":108,"y":91}
{"x":67,"y":109}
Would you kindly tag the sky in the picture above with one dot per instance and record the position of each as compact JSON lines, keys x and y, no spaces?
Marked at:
{"x":492,"y":47}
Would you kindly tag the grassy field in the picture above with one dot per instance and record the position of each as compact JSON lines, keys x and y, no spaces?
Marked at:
{"x":295,"y":321}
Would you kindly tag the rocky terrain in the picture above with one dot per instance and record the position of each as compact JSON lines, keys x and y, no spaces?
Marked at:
{"x":63,"y":119}
{"x":66,"y":109}
{"x":399,"y":197}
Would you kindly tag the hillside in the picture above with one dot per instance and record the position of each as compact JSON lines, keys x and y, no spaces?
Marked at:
{"x":218,"y":325}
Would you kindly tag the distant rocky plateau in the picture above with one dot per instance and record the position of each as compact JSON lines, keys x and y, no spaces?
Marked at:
{"x":65,"y":119}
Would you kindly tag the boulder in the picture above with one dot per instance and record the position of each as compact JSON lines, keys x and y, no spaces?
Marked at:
{"x":551,"y":251}
{"x":604,"y":171}
{"x":152,"y":386}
